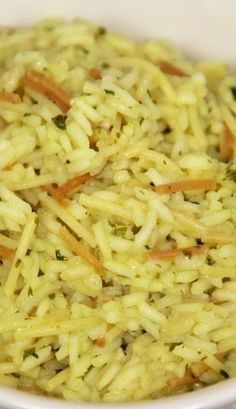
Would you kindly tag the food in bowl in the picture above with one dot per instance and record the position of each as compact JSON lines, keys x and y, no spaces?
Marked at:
{"x":117,"y":215}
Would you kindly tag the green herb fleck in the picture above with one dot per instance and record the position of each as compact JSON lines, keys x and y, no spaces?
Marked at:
{"x":210,"y":260}
{"x":30,"y":352}
{"x":68,"y":161}
{"x":26,"y":114}
{"x":85,"y":50}
{"x":16,"y":375}
{"x":55,"y":348}
{"x":199,"y":242}
{"x":60,"y":121}
{"x":105,"y":65}
{"x":18,"y":262}
{"x":52,"y":296}
{"x":231,"y":175}
{"x":119,"y":231}
{"x":233,"y":90}
{"x":118,"y":134}
{"x":40,"y":273}
{"x":135,"y":229}
{"x":224,"y":374}
{"x":187,"y":253}
{"x":59,"y":256}
{"x":109,"y":91}
{"x":101,"y":31}
{"x":30,"y":292}
{"x":167,"y":130}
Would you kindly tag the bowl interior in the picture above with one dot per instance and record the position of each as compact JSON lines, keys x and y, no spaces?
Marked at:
{"x":203,"y":29}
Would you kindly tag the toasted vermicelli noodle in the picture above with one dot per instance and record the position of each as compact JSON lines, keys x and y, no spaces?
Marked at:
{"x":117,"y":215}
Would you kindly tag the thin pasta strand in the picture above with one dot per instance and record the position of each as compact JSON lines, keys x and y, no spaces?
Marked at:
{"x":39,"y":82}
{"x":10,"y":97}
{"x":171,"y":69}
{"x":185,"y":185}
{"x":172,"y":253}
{"x":79,"y":249}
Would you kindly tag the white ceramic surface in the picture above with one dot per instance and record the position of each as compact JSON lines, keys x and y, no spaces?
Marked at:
{"x":203,"y":29}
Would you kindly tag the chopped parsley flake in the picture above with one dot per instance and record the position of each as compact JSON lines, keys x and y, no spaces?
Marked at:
{"x":85,"y":50}
{"x":16,"y":375}
{"x":233,"y":90}
{"x":187,"y":253}
{"x":60,"y":121}
{"x":101,"y":31}
{"x":60,"y":256}
{"x":135,"y":229}
{"x":199,"y":242}
{"x":30,"y":292}
{"x":210,"y":260}
{"x":40,"y":273}
{"x":105,"y":65}
{"x":30,"y":352}
{"x":109,"y":91}
{"x":231,"y":175}
{"x":18,"y":262}
{"x":224,"y":374}
{"x":119,"y":230}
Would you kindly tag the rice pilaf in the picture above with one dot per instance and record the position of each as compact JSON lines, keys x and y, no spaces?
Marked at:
{"x":117,"y":215}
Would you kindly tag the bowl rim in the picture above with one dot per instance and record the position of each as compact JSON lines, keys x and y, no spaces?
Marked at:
{"x":216,"y":395}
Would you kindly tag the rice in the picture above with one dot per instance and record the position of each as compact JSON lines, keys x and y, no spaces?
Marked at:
{"x":117,"y":215}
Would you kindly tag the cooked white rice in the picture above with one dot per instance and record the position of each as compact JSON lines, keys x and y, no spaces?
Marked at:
{"x":136,"y":326}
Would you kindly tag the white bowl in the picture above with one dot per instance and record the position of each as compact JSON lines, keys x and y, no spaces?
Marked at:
{"x":203,"y":29}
